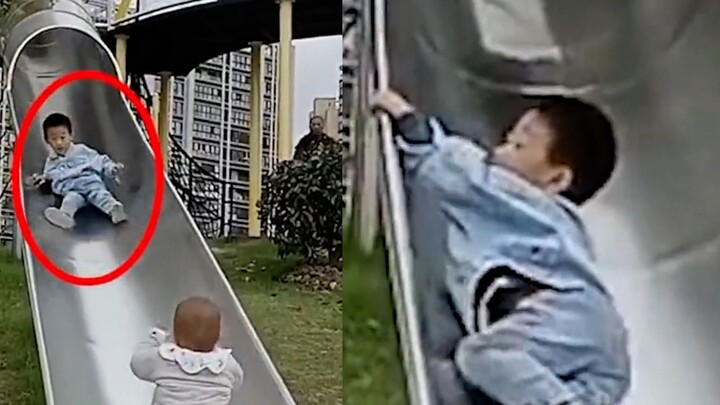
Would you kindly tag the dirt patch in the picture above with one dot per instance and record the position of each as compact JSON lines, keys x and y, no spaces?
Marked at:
{"x":317,"y":277}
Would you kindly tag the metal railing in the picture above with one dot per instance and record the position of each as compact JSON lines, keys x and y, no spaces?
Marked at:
{"x":210,"y":200}
{"x":7,"y":134}
{"x":378,"y":192}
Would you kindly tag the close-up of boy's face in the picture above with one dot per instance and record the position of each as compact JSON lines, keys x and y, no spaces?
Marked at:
{"x":526,"y":151}
{"x":59,"y":139}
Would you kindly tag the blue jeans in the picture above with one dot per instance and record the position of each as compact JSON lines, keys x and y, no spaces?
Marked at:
{"x":94,"y":193}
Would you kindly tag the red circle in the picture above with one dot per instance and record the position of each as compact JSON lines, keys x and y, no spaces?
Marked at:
{"x":159,"y":177}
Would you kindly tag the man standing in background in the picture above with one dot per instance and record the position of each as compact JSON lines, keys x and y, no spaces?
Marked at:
{"x":312,"y":140}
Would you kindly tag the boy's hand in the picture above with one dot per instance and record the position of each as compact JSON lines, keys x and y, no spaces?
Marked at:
{"x":117,"y":168}
{"x":391,"y":103}
{"x":35,"y":180}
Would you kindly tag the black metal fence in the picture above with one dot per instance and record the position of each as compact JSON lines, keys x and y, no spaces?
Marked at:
{"x":212,"y":202}
{"x":7,"y":220}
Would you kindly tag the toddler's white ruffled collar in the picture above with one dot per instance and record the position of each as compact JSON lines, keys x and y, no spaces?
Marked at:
{"x":193,"y":362}
{"x":190,"y":361}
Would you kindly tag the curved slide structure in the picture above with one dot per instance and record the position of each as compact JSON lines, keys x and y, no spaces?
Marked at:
{"x":86,"y":335}
{"x":654,"y":66}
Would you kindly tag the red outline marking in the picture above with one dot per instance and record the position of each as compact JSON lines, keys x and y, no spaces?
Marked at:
{"x":17,"y":184}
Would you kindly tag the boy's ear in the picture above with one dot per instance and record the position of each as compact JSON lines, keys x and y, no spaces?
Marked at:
{"x":561,"y":180}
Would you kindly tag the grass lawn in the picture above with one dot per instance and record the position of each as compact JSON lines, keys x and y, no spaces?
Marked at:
{"x":372,"y":368}
{"x":20,"y":382}
{"x":301,"y":329}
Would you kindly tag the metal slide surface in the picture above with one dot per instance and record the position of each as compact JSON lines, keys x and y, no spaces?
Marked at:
{"x":86,"y":334}
{"x":654,"y":66}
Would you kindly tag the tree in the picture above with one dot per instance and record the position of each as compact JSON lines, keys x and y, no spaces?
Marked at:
{"x":301,"y":206}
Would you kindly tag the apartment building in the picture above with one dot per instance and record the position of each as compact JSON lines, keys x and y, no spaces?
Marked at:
{"x":210,"y":120}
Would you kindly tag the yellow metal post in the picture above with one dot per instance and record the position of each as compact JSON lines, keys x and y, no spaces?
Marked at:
{"x":291,"y":110}
{"x":121,"y":40}
{"x":122,"y":10}
{"x":156,"y":109}
{"x":164,"y":115}
{"x":121,"y":55}
{"x":256,"y":90}
{"x":285,"y":96}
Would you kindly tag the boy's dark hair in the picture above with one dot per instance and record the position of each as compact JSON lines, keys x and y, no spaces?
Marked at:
{"x":56,"y":120}
{"x":584,"y":140}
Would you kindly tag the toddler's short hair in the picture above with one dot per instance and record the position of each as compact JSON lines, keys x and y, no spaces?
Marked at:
{"x":197,"y":324}
{"x":56,"y":120}
{"x":584,"y":140}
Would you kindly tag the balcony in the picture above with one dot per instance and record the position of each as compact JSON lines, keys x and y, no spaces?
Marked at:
{"x":208,"y":98}
{"x":203,"y":76}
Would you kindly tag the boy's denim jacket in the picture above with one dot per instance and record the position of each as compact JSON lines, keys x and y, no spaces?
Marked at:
{"x":77,"y":166}
{"x":564,"y":345}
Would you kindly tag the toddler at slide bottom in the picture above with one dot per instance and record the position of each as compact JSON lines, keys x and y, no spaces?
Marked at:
{"x":189,"y":368}
{"x":76,"y":172}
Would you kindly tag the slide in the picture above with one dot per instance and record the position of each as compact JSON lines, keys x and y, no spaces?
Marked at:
{"x":86,"y":335}
{"x":654,"y":67}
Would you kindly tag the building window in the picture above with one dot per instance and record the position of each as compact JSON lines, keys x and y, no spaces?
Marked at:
{"x":178,"y":107}
{"x":208,"y":93}
{"x":214,"y":169}
{"x":238,"y":195}
{"x":179,"y":88}
{"x":239,"y":175}
{"x":207,"y":112}
{"x":207,"y":150}
{"x":208,"y":75}
{"x":239,"y":136}
{"x":241,"y":99}
{"x":207,"y":131}
{"x":239,"y":213}
{"x":241,"y":118}
{"x":177,"y":127}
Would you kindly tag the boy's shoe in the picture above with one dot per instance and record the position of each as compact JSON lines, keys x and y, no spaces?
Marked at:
{"x":117,"y":214}
{"x":59,"y":218}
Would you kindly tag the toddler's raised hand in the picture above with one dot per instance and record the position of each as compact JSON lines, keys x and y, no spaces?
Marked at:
{"x":159,"y":335}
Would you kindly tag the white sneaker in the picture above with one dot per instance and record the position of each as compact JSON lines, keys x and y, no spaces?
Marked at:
{"x":59,"y":218}
{"x":117,"y":214}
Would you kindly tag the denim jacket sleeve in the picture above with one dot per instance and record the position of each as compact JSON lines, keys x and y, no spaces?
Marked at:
{"x":451,"y":165}
{"x":100,"y":163}
{"x":49,"y":168}
{"x":514,"y":361}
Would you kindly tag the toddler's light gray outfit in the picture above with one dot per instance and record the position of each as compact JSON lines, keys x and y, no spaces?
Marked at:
{"x":184,"y":377}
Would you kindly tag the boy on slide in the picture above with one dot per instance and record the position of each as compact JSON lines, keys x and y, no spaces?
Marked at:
{"x":76,"y":172}
{"x":539,"y":326}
